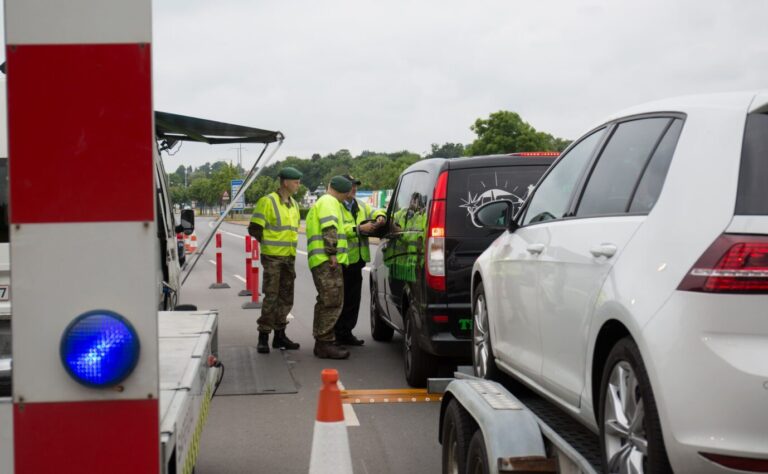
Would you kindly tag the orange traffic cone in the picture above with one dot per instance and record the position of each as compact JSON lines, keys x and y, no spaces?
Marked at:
{"x":186,"y":243}
{"x":193,"y":243}
{"x":330,"y":444}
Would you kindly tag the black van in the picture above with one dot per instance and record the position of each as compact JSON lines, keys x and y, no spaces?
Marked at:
{"x":420,"y":276}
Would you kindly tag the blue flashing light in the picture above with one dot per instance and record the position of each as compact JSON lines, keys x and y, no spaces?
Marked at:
{"x":99,"y":348}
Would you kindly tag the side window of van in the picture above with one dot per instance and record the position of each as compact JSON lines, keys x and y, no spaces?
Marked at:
{"x":551,"y":199}
{"x":614,"y":177}
{"x":410,"y":198}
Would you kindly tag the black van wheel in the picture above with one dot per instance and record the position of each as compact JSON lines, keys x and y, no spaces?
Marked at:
{"x":419,"y":365}
{"x":458,"y":427}
{"x":483,"y":363}
{"x":380,"y":331}
{"x":477,"y":457}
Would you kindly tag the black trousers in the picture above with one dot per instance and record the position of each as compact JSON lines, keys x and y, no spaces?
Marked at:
{"x":353,"y":284}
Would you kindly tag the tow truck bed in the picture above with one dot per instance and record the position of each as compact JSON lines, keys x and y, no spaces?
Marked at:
{"x":187,"y":383}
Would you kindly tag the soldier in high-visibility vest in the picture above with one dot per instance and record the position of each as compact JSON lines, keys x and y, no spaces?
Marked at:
{"x":275,"y":224}
{"x":327,"y":254}
{"x":360,"y":220}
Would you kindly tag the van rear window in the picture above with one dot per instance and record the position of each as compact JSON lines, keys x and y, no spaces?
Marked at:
{"x":470,"y":188}
{"x":752,"y":198}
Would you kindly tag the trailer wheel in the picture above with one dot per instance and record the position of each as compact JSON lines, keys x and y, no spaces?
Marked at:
{"x":419,"y":365}
{"x":483,"y":362}
{"x":477,"y":457}
{"x":458,"y":427}
{"x":379,"y":329}
{"x":630,"y":430}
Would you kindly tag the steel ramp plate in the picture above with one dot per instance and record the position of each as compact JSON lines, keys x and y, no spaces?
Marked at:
{"x":246,"y":372}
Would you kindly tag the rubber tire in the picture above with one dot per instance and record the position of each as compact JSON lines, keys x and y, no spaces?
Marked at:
{"x":626,"y":350}
{"x":380,"y":331}
{"x":492,"y":372}
{"x":458,"y":425}
{"x":477,"y":456}
{"x":422,"y":364}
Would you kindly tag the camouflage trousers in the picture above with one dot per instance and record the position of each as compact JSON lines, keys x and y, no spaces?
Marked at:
{"x":279,"y":275}
{"x":329,"y":283}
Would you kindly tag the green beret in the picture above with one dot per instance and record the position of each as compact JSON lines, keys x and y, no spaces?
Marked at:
{"x":341,"y":184}
{"x":290,"y":173}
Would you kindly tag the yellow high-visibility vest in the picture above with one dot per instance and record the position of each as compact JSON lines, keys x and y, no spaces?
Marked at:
{"x":280,"y":223}
{"x":326,"y":212}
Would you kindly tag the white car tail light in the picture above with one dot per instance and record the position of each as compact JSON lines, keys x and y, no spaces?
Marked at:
{"x":732,"y":264}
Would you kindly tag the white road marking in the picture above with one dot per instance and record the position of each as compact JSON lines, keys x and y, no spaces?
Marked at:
{"x":240,"y":278}
{"x":212,"y":262}
{"x":350,"y":417}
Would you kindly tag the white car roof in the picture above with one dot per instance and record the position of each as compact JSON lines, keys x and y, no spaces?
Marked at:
{"x":732,"y":101}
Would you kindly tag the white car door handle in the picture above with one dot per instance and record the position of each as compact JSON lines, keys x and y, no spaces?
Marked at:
{"x":535,"y":248}
{"x":603,"y":250}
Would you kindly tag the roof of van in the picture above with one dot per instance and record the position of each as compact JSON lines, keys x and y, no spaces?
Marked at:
{"x":465,"y":162}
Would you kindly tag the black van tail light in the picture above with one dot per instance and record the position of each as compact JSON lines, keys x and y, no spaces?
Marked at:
{"x":440,"y":318}
{"x":732,"y":264}
{"x":435,"y":250}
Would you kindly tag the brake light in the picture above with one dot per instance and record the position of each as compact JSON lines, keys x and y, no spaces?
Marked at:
{"x":436,"y":235}
{"x":739,"y":463}
{"x":536,"y":153}
{"x":732,"y":264}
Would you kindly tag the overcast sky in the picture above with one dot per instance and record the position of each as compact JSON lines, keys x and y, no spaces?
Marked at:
{"x":392,"y":75}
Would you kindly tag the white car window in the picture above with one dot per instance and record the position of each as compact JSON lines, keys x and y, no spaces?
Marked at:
{"x":551,"y":199}
{"x":613,"y":179}
{"x":650,"y":185}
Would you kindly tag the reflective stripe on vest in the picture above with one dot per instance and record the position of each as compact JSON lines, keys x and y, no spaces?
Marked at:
{"x":358,"y":244}
{"x":280,"y":223}
{"x":326,"y":212}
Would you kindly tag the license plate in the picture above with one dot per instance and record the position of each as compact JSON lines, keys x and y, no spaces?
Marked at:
{"x":5,"y":291}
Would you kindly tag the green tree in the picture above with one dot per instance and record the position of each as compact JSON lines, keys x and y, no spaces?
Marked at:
{"x":446,"y":150}
{"x":506,"y":132}
{"x":262,"y":186}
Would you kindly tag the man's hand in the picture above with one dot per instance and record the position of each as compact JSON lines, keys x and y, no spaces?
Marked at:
{"x":368,"y":227}
{"x":334,"y":262}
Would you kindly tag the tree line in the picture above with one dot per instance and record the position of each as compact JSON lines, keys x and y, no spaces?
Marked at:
{"x":501,"y":132}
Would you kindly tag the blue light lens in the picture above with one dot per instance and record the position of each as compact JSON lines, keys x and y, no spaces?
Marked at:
{"x":99,"y":348}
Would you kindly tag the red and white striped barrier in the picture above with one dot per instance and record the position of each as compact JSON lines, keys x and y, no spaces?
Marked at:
{"x":330,"y":443}
{"x":82,"y":71}
{"x":254,"y":278}
{"x":248,"y":251}
{"x":219,"y":266}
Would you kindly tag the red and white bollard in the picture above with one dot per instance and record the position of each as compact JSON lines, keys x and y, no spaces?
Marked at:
{"x":247,"y":290}
{"x":219,"y":266}
{"x":254,"y":280}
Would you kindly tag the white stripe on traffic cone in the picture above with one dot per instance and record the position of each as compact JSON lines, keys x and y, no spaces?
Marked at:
{"x":330,"y":444}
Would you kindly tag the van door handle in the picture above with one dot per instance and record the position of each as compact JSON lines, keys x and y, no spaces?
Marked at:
{"x":535,"y":248}
{"x":603,"y":250}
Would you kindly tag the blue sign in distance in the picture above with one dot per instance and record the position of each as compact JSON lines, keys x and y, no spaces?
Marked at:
{"x":240,"y":202}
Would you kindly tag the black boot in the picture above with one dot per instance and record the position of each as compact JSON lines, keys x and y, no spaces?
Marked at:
{"x":327,"y":350}
{"x":263,"y":347}
{"x":281,"y":341}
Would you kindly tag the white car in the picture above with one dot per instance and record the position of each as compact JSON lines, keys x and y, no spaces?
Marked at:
{"x":632,"y":287}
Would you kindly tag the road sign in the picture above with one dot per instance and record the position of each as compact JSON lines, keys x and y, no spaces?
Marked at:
{"x":225,"y":196}
{"x":240,"y":202}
